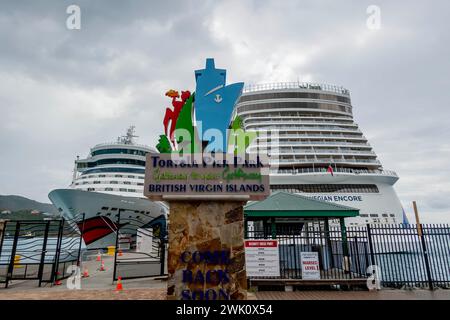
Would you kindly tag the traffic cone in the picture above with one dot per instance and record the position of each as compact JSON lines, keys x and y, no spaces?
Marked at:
{"x":102,"y":266}
{"x":58,"y":282}
{"x":119,"y":284}
{"x":120,"y":253}
{"x":85,"y":272}
{"x":99,"y":256}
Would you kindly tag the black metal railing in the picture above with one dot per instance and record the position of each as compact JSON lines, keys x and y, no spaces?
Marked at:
{"x":39,"y":249}
{"x":138,"y":261}
{"x":405,"y":255}
{"x":412,"y":256}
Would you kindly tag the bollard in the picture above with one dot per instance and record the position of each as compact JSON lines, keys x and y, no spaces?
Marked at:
{"x":17,"y":261}
{"x":111,"y":250}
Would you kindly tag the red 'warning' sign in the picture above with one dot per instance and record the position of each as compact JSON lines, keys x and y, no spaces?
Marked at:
{"x":262,"y":258}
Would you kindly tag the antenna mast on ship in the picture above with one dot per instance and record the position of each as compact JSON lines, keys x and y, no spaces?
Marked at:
{"x":128,"y":137}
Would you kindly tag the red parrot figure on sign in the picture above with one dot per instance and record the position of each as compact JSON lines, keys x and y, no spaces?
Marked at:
{"x":172,"y":115}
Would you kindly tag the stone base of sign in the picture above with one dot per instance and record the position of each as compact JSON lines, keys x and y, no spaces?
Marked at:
{"x":206,"y":226}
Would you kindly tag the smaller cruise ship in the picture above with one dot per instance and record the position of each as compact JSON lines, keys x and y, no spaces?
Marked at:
{"x":109,"y":182}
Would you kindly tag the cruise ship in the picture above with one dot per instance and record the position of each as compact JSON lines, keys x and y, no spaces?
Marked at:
{"x":316,"y":149}
{"x":107,"y":183}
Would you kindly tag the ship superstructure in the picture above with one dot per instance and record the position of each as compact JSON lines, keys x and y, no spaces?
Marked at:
{"x":317,"y":149}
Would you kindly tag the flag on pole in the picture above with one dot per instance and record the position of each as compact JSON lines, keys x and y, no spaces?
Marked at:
{"x":330,"y":170}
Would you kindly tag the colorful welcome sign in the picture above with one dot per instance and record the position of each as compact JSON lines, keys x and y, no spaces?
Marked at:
{"x":201,"y":121}
{"x":206,"y":176}
{"x":203,"y":151}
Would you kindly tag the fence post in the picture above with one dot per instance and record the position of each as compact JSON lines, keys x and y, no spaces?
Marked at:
{"x":163,"y":255}
{"x":345,"y":251}
{"x":2,"y":233}
{"x":13,"y":254}
{"x":424,"y":246}
{"x":55,"y":267}
{"x":117,"y":243}
{"x":245,"y":228}
{"x":358,"y":262}
{"x":369,"y":238}
{"x":81,"y":242}
{"x":44,"y":251}
{"x":329,"y":243}
{"x":273,"y":228}
{"x":265,"y":231}
{"x":425,"y":255}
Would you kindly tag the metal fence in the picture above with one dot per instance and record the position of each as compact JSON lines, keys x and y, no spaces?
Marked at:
{"x":411,"y":256}
{"x":38,"y":250}
{"x":403,"y":255}
{"x":143,"y":254}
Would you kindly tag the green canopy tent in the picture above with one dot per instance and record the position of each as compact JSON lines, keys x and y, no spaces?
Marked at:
{"x":284,"y":204}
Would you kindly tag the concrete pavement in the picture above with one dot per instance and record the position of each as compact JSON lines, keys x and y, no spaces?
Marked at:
{"x":99,"y":286}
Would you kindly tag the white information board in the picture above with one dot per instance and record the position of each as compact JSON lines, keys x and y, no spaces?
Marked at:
{"x":310,"y":265}
{"x":262,"y":258}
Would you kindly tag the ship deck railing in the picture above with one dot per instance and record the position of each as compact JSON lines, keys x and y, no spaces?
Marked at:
{"x":339,"y":170}
{"x":296,"y":85}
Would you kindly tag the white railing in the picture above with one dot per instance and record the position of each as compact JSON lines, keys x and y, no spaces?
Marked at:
{"x":326,"y":161}
{"x":308,"y":143}
{"x":275,"y":151}
{"x":327,"y":136}
{"x":299,"y":120}
{"x":303,"y":128}
{"x":105,"y":144}
{"x":296,"y":85}
{"x":339,"y":170}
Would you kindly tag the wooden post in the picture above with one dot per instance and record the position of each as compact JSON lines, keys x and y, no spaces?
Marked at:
{"x":424,"y":246}
{"x":416,"y":213}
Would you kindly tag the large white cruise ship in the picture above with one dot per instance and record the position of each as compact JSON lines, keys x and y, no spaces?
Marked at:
{"x":110,"y":180}
{"x":317,"y":150}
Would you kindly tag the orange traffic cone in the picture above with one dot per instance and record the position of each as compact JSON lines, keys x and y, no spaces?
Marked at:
{"x":120,"y":253}
{"x":58,"y":282}
{"x":102,"y":266}
{"x":85,"y":272}
{"x":99,"y":256}
{"x":119,"y":284}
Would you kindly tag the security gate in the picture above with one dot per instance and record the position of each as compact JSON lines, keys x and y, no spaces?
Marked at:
{"x":38,"y":249}
{"x":142,"y":255}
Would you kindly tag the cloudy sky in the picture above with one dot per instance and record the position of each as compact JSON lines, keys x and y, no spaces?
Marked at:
{"x":62,"y":91}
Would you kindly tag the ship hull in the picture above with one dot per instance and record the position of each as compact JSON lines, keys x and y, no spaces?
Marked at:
{"x":101,"y":214}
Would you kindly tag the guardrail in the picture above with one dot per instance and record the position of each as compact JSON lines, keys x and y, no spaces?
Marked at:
{"x":342,"y":170}
{"x":296,"y":85}
{"x":39,"y":249}
{"x":400,"y":254}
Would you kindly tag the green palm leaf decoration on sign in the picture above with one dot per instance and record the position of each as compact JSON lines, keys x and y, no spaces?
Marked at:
{"x":163,"y":145}
{"x":185,"y":131}
{"x":238,"y":139}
